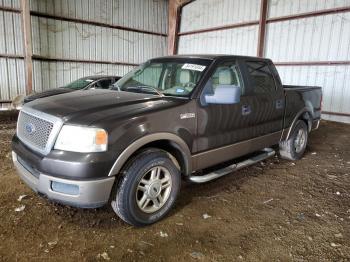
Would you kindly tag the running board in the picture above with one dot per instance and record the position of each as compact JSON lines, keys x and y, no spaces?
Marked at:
{"x":267,"y":152}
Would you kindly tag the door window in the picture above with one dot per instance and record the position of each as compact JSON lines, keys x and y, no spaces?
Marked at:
{"x":226,"y":74}
{"x":261,"y":77}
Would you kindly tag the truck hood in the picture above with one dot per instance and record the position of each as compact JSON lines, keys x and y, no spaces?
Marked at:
{"x":88,"y":106}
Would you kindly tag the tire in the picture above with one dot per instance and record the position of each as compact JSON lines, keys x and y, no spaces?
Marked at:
{"x":292,"y":150}
{"x":127,"y":200}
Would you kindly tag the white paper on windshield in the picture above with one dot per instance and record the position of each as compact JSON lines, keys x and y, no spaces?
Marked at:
{"x":89,"y":80}
{"x":193,"y":67}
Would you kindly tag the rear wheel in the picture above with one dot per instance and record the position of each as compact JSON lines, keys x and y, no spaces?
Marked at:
{"x":148,"y":189}
{"x":294,"y":147}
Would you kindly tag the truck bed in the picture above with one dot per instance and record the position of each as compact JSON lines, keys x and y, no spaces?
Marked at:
{"x":299,"y":97}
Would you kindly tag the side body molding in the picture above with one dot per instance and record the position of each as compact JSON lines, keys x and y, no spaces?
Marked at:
{"x":175,"y":140}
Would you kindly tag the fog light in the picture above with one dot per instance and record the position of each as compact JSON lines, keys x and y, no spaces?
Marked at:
{"x":64,"y":188}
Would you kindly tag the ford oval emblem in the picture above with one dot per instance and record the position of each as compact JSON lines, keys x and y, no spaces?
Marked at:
{"x":30,"y":128}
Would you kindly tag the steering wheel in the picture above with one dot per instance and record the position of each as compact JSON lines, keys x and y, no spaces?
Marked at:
{"x":189,"y":85}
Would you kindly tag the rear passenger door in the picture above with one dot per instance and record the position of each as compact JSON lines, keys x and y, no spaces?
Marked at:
{"x":267,"y":100}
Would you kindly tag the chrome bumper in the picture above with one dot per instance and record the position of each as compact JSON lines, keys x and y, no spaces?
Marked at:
{"x":90,"y":194}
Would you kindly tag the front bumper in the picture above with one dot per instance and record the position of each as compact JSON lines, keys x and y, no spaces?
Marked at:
{"x":89,"y":193}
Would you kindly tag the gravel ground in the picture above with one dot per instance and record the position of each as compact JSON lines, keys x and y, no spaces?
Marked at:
{"x":274,"y":211}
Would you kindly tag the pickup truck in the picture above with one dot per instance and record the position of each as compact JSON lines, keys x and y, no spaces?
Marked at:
{"x":195,"y":117}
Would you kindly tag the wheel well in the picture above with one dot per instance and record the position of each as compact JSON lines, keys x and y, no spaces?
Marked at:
{"x":306,"y":117}
{"x":174,"y":151}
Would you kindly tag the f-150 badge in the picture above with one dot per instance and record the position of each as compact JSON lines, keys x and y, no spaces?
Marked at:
{"x":187,"y":115}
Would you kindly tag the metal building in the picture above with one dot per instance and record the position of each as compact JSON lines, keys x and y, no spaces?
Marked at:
{"x":309,"y":40}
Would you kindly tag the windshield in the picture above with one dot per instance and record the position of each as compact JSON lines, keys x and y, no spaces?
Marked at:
{"x":163,"y":78}
{"x":79,"y":84}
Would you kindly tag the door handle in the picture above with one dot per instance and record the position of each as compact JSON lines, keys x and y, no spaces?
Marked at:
{"x":279,"y":104}
{"x":246,"y":110}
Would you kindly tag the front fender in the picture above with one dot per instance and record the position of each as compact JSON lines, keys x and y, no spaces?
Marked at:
{"x":139,"y":143}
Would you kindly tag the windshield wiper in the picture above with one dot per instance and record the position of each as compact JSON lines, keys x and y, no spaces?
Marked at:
{"x":153,"y":89}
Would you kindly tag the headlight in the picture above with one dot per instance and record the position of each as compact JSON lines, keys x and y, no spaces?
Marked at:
{"x":82,"y":139}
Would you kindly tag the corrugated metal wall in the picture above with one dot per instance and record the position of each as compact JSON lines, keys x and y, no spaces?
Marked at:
{"x":56,"y":38}
{"x":141,"y":14}
{"x":311,"y":39}
{"x":202,"y":14}
{"x":11,"y":43}
{"x":241,"y":41}
{"x":100,"y":47}
{"x":290,"y":7}
{"x":318,"y":38}
{"x":70,"y":40}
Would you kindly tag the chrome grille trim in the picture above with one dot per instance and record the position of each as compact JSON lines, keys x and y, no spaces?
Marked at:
{"x":40,"y":128}
{"x":47,"y":128}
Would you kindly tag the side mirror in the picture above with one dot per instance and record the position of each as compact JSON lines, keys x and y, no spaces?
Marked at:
{"x":224,"y":94}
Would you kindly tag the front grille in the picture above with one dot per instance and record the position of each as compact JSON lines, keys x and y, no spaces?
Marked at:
{"x":38,"y":130}
{"x":41,"y":130}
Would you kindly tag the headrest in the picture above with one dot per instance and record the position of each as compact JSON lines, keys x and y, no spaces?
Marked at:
{"x":225,"y":77}
{"x":185,"y":76}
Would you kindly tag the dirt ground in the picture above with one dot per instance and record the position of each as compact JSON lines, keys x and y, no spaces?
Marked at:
{"x":273,"y":211}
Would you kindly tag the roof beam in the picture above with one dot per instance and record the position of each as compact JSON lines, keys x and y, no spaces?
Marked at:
{"x":309,"y":14}
{"x":10,"y":9}
{"x":220,"y":28}
{"x":95,"y":23}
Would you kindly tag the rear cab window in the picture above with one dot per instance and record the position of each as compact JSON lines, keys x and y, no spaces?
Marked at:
{"x":261,"y":77}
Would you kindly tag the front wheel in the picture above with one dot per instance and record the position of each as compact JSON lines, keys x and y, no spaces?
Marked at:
{"x":148,"y":189}
{"x":294,"y":147}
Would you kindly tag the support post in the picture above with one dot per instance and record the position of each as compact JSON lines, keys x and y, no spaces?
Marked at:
{"x":173,"y":26}
{"x":174,"y":14}
{"x":262,"y":28}
{"x":27,"y":39}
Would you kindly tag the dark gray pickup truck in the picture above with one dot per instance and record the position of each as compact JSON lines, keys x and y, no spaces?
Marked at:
{"x":171,"y":118}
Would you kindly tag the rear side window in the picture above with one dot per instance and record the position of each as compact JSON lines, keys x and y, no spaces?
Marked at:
{"x":261,"y":77}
